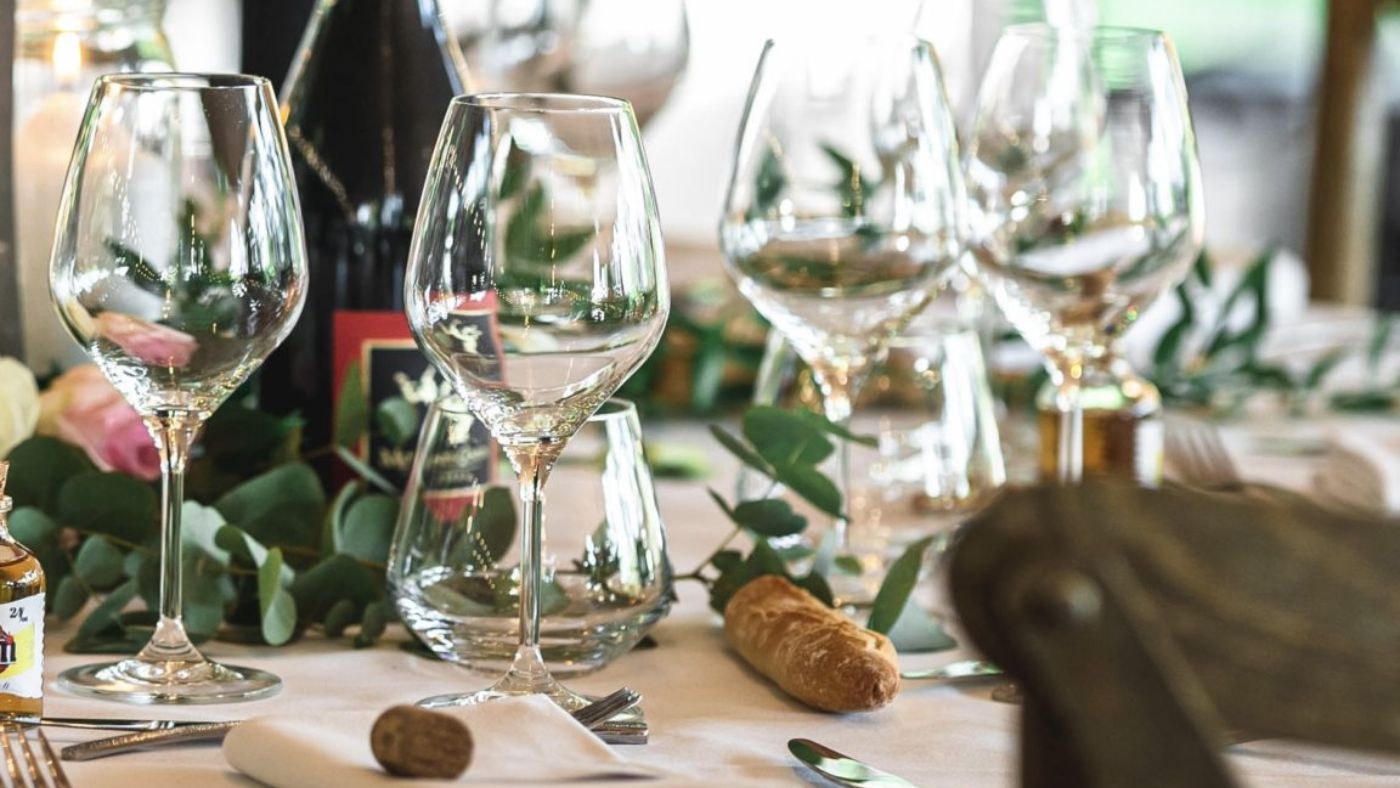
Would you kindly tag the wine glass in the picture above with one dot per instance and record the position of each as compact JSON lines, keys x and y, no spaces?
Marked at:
{"x":1086,"y":195}
{"x":178,"y":266}
{"x":539,"y":213}
{"x":845,"y":203}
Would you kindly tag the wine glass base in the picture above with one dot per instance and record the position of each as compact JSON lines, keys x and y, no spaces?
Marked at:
{"x":181,"y":681}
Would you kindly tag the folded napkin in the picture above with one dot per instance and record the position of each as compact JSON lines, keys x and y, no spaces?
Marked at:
{"x":1361,"y":469}
{"x":527,"y":739}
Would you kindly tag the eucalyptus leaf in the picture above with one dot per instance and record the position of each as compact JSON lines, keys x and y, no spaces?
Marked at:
{"x":916,"y":632}
{"x":364,"y":471}
{"x":812,"y":485}
{"x":848,"y":564}
{"x":369,"y":527}
{"x":104,"y":617}
{"x":241,"y":545}
{"x":281,"y":505}
{"x":1380,"y":338}
{"x":39,"y":467}
{"x":372,"y":624}
{"x":817,"y":586}
{"x":533,"y":238}
{"x":337,"y":577}
{"x":108,"y":503}
{"x":897,"y":587}
{"x":36,"y":531}
{"x":396,"y":420}
{"x":769,"y":183}
{"x":784,"y":437}
{"x":770,"y":517}
{"x":278,"y":608}
{"x":334,"y":521}
{"x":742,"y":451}
{"x":69,"y":598}
{"x":239,"y":437}
{"x":491,"y":526}
{"x":341,"y":615}
{"x":203,"y":597}
{"x":98,"y":564}
{"x":352,"y":412}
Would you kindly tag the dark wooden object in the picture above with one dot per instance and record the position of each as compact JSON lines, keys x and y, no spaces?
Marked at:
{"x":1143,"y":625}
{"x":11,"y":332}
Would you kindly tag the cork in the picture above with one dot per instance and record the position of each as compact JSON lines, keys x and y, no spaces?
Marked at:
{"x":412,"y":742}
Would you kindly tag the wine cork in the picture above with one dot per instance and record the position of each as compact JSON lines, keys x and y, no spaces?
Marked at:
{"x":412,"y":742}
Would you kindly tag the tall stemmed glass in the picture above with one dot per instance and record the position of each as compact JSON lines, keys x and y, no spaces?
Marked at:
{"x":845,"y":204}
{"x":178,"y":266}
{"x":538,"y":213}
{"x":1086,"y":193}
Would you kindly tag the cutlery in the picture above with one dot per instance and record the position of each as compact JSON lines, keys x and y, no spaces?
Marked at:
{"x":954,"y":671}
{"x":842,"y":768}
{"x":14,"y":740}
{"x":596,"y":716}
{"x":108,"y":724}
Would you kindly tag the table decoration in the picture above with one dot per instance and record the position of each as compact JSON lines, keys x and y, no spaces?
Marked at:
{"x":61,"y":47}
{"x":844,"y":207}
{"x":1086,"y":198}
{"x":178,"y":266}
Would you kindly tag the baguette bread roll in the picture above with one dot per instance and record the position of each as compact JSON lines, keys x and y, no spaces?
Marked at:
{"x":813,"y":652}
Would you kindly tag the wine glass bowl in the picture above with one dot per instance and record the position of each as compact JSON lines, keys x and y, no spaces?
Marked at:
{"x":178,"y":265}
{"x":539,"y":213}
{"x":1086,"y":196}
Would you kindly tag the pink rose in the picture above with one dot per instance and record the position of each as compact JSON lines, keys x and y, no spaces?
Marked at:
{"x":82,"y":408}
{"x":151,"y":343}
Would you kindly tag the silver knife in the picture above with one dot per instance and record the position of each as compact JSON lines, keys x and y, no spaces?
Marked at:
{"x":107,"y":724}
{"x":843,"y":768}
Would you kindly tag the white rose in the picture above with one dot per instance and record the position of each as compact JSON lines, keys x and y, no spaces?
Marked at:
{"x":19,"y":404}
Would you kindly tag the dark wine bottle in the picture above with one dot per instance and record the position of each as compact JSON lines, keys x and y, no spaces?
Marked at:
{"x":362,"y":105}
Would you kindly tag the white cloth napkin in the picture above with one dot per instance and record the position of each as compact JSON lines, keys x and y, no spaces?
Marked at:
{"x":1361,"y":469}
{"x":526,"y":739}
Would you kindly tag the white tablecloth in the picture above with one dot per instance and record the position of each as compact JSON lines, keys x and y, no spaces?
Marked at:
{"x":714,"y":721}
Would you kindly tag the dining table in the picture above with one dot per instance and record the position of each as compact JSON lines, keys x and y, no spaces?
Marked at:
{"x":714,"y":720}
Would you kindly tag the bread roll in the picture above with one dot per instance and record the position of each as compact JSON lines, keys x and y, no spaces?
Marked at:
{"x":813,"y":652}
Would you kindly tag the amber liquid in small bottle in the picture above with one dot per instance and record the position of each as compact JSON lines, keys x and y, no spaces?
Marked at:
{"x":21,"y":623}
{"x":1122,"y":427}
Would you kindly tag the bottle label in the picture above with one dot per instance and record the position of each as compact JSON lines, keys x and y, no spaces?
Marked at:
{"x":22,"y":647}
{"x":395,"y":379}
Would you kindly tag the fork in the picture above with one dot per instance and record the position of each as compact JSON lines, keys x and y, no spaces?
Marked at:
{"x":1199,"y":456}
{"x":12,"y":740}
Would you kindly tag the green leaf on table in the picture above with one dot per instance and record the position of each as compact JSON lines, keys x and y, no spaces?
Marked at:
{"x":1364,"y":401}
{"x":105,"y":616}
{"x":341,"y":615}
{"x":199,"y":532}
{"x":1322,"y":368}
{"x":98,"y":564}
{"x":916,"y":632}
{"x":39,"y":467}
{"x":203,"y":598}
{"x":848,"y":565}
{"x":817,"y":586}
{"x":769,"y":517}
{"x":249,"y":551}
{"x":727,"y":560}
{"x":337,"y":577}
{"x":813,"y":486}
{"x":372,"y":623}
{"x":364,"y":471}
{"x":396,"y":420}
{"x":1166,"y":358}
{"x":741,"y":451}
{"x":897,"y":587}
{"x":278,"y":608}
{"x":281,"y":505}
{"x":36,"y":531}
{"x":1254,"y":285}
{"x":818,"y":421}
{"x":334,"y":521}
{"x":784,"y":437}
{"x":368,"y":528}
{"x":69,"y":598}
{"x":1380,"y":338}
{"x":239,"y":438}
{"x":351,"y":412}
{"x":764,"y":560}
{"x":514,"y":171}
{"x":1202,"y":267}
{"x":108,"y":503}
{"x":532,"y":238}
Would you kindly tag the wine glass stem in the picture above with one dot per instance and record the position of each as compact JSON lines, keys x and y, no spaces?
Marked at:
{"x":174,"y":432}
{"x":836,"y":404}
{"x":532,"y":467}
{"x":1070,"y":444}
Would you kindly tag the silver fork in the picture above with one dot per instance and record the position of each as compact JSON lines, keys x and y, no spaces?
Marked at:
{"x":1196,"y":452}
{"x":12,"y":740}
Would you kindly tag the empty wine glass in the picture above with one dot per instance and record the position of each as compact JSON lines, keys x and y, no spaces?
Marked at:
{"x":845,"y":203}
{"x":178,"y":266}
{"x":538,"y":208}
{"x":1086,"y":192}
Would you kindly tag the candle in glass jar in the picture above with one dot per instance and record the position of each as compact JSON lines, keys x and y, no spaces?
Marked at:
{"x":43,"y":146}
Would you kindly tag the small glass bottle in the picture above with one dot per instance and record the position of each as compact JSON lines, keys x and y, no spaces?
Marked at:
{"x":21,"y":621}
{"x":1122,"y":424}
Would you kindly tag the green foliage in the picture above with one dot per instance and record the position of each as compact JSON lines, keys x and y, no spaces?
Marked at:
{"x":898,"y":586}
{"x":397,"y":421}
{"x":352,"y":411}
{"x":38,"y":469}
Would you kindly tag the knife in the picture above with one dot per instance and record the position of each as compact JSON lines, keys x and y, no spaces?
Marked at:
{"x":842,"y":768}
{"x":107,"y":724}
